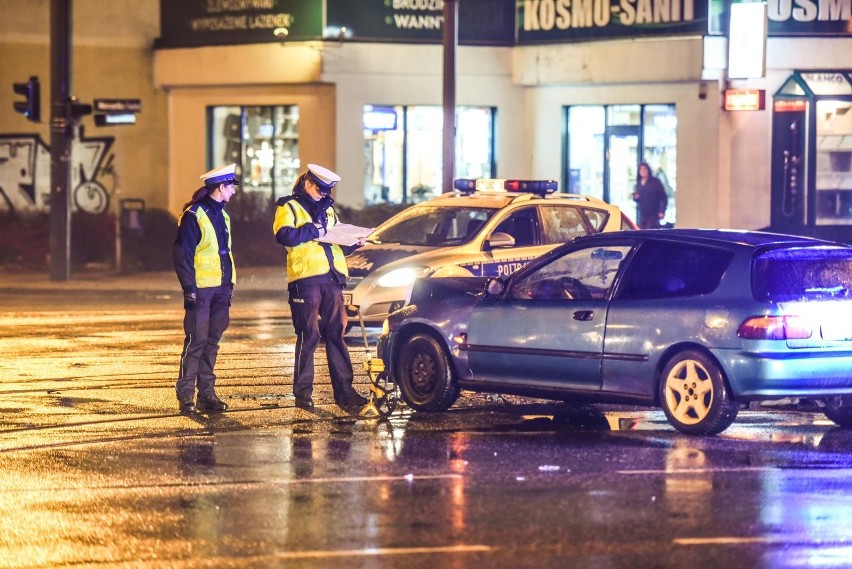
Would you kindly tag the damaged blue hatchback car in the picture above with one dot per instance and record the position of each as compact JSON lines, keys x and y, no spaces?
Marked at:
{"x":697,"y":322}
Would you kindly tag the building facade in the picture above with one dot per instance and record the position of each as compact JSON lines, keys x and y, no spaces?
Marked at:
{"x":580,"y":94}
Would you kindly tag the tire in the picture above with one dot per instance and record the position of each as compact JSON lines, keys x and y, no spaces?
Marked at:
{"x":839,"y":410}
{"x":425,"y":376}
{"x":695,"y":396}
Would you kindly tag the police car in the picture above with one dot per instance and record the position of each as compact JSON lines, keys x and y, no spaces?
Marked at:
{"x":486,"y":227}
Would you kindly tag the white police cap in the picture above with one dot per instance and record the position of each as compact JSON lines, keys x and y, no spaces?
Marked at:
{"x":324,"y":178}
{"x":224,"y":175}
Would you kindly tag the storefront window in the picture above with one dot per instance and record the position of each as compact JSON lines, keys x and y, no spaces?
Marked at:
{"x":586,"y":132}
{"x":834,"y":162}
{"x":263,"y":142}
{"x":606,"y":144}
{"x":660,"y":144}
{"x":403,"y":150}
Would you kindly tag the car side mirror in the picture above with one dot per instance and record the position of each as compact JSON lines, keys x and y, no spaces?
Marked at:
{"x":499,"y":240}
{"x":495,"y":287}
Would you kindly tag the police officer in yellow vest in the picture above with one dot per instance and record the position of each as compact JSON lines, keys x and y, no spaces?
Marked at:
{"x":205,"y":268}
{"x":316,"y":275}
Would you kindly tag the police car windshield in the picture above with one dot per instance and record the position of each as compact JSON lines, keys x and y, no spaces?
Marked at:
{"x":434,"y":226}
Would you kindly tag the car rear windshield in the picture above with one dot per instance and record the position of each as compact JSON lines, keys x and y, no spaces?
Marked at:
{"x":802,"y":274}
{"x":434,"y":226}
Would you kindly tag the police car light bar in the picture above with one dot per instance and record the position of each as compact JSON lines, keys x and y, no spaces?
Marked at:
{"x":538,"y":187}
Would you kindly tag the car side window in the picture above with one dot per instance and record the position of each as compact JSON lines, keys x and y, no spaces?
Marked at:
{"x":597,"y":218}
{"x":579,"y":275}
{"x":522,"y":225}
{"x":562,"y":223}
{"x":664,"y":269}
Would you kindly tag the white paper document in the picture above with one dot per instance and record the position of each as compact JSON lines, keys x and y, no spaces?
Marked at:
{"x":344,"y":234}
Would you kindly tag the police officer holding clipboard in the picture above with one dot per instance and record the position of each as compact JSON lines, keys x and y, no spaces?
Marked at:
{"x":316,"y":275}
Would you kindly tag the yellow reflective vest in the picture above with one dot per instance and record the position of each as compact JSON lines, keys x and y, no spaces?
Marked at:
{"x":208,"y":266}
{"x":307,"y":259}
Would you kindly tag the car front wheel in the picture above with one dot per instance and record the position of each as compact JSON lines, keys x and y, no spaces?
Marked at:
{"x":425,"y":377}
{"x":695,"y":396}
{"x":839,"y":410}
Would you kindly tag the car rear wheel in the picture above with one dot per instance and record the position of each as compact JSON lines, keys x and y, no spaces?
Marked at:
{"x":695,"y":396}
{"x":839,"y":410}
{"x":425,"y":377}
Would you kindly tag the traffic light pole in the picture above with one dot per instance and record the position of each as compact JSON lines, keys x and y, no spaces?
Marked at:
{"x":450,"y":40}
{"x":61,"y":138}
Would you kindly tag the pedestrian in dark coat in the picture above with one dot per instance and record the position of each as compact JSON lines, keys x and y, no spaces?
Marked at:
{"x":650,"y":197}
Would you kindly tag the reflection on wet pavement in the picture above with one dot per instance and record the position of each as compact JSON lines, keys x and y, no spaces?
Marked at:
{"x":97,"y":468}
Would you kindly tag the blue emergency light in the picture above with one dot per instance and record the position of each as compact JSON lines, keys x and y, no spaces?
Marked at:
{"x":538,"y":187}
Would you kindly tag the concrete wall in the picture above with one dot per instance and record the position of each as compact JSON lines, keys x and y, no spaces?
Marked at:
{"x":630,"y":72}
{"x":413,"y":75}
{"x":744,"y":160}
{"x":188,"y":125}
{"x":111,"y":58}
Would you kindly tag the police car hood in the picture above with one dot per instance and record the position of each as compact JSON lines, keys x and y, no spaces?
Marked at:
{"x":373,"y":256}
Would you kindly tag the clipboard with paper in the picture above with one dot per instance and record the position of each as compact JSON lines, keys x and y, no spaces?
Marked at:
{"x":345,"y":234}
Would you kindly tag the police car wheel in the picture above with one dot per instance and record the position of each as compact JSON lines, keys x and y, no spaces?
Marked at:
{"x":425,"y":375}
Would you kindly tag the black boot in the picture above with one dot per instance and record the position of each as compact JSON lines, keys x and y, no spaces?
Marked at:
{"x":186,"y":404}
{"x":350,"y":399}
{"x":210,"y":404}
{"x":304,"y":402}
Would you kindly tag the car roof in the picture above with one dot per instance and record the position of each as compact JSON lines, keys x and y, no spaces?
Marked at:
{"x":747,"y":238}
{"x":502,"y":199}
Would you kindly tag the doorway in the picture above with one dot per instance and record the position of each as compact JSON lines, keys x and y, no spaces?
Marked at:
{"x":604,"y":145}
{"x":622,"y":157}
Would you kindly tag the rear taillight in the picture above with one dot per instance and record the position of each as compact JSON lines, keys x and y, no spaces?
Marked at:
{"x":775,"y":328}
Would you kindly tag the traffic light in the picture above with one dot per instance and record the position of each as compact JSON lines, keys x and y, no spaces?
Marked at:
{"x":31,"y":107}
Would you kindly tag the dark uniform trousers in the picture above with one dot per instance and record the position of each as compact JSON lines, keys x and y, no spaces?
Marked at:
{"x":307,"y":300}
{"x":203,"y":326}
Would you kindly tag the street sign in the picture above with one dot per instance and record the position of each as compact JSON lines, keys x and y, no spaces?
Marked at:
{"x":118,"y":106}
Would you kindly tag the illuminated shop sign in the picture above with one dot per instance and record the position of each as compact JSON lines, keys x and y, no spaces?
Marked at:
{"x":485,"y":22}
{"x":542,"y":21}
{"x":379,"y":118}
{"x":794,"y":17}
{"x":790,"y":106}
{"x":745,"y":99}
{"x":225,"y":22}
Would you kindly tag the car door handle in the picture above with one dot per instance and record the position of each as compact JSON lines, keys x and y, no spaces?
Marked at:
{"x":584,"y":315}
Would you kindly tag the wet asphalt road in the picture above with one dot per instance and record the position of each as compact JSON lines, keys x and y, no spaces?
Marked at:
{"x":97,"y":469}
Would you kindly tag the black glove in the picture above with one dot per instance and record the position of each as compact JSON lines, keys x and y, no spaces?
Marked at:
{"x":189,"y":300}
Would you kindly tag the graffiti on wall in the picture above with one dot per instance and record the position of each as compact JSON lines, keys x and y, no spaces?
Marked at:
{"x":25,"y":173}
